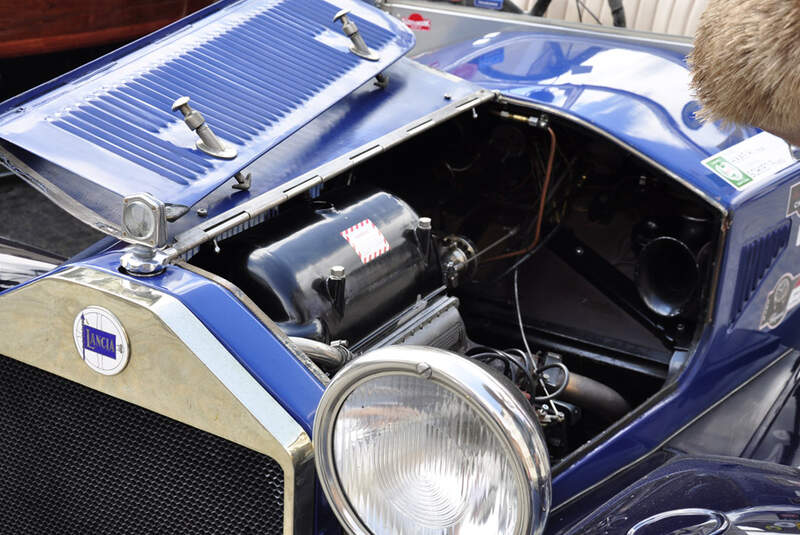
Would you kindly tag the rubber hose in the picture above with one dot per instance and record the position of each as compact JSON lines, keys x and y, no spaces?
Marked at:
{"x":595,"y":397}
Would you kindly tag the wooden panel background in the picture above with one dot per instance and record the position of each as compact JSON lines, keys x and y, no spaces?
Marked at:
{"x":41,"y":26}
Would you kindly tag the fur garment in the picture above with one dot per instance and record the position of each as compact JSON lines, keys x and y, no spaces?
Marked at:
{"x":746,"y":64}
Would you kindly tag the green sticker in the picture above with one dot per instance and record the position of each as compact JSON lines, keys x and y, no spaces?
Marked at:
{"x":728,"y":171}
{"x":752,"y":161}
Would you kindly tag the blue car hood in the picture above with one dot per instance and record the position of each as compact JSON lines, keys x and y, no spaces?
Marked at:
{"x":258,"y":70}
{"x":634,"y":91}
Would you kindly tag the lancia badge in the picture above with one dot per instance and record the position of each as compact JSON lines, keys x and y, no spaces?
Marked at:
{"x":101,"y":340}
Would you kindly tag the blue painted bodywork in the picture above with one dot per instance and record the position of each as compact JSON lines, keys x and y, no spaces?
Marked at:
{"x":354,"y":122}
{"x":258,"y":71}
{"x":675,"y":482}
{"x":638,"y":96}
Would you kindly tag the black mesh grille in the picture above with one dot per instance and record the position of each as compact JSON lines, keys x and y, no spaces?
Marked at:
{"x":74,"y":460}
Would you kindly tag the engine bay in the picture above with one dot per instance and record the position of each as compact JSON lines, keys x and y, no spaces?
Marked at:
{"x":517,"y":239}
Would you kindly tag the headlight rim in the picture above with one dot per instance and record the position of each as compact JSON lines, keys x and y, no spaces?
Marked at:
{"x":510,"y":417}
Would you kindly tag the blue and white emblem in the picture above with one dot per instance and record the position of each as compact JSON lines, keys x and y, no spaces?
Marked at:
{"x":101,"y":340}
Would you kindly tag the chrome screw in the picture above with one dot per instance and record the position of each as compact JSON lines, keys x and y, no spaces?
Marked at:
{"x":424,"y":370}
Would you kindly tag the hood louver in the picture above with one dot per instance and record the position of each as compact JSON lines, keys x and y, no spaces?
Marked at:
{"x":755,"y":262}
{"x":257,"y":70}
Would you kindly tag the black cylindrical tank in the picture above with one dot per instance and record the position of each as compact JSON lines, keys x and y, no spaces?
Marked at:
{"x":372,"y":236}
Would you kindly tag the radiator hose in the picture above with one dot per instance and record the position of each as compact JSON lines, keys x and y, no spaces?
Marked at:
{"x":595,"y":396}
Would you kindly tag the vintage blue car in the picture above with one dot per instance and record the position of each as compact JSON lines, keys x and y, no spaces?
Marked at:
{"x":510,"y":287}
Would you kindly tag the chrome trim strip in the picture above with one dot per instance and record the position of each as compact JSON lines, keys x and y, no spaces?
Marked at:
{"x":215,"y":226}
{"x":200,"y":384}
{"x":721,"y":522}
{"x":57,"y":196}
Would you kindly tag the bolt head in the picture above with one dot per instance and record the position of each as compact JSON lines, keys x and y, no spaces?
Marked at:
{"x":337,"y":272}
{"x":202,"y":212}
{"x":424,"y":370}
{"x":179,"y":103}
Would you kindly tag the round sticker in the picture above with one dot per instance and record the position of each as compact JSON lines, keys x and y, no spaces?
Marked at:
{"x":101,"y":341}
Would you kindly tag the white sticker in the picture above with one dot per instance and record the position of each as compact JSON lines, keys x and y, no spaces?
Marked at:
{"x":751,"y":161}
{"x":366,"y":240}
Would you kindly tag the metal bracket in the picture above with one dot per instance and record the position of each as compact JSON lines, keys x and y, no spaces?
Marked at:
{"x":350,"y":29}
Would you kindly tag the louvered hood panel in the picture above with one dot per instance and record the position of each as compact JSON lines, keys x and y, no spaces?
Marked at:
{"x":256,"y":69}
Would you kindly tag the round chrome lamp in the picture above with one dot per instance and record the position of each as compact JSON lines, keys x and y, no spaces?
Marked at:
{"x":420,"y":440}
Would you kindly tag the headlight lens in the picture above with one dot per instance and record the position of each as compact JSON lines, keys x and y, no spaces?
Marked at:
{"x":139,"y":220}
{"x":417,"y":440}
{"x":413,"y":457}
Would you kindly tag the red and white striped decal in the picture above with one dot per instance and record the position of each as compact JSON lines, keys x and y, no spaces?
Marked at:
{"x":366,"y":240}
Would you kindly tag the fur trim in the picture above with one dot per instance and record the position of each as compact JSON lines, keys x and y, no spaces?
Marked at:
{"x":746,"y":63}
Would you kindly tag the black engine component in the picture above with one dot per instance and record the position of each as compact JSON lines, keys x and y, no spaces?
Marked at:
{"x":349,"y":267}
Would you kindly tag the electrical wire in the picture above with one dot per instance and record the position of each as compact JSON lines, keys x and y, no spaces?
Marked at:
{"x":561,"y":387}
{"x":510,"y":364}
{"x":508,"y":361}
{"x":528,"y":355}
{"x":542,"y":202}
{"x":527,"y":257}
{"x":507,"y":369}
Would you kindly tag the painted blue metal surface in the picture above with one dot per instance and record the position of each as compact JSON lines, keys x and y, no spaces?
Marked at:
{"x":637,"y":94}
{"x":359,"y":119}
{"x":257,"y":70}
{"x":756,"y":260}
{"x":367,"y":114}
{"x":730,"y":486}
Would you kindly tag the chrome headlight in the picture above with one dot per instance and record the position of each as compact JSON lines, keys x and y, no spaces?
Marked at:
{"x":420,"y":440}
